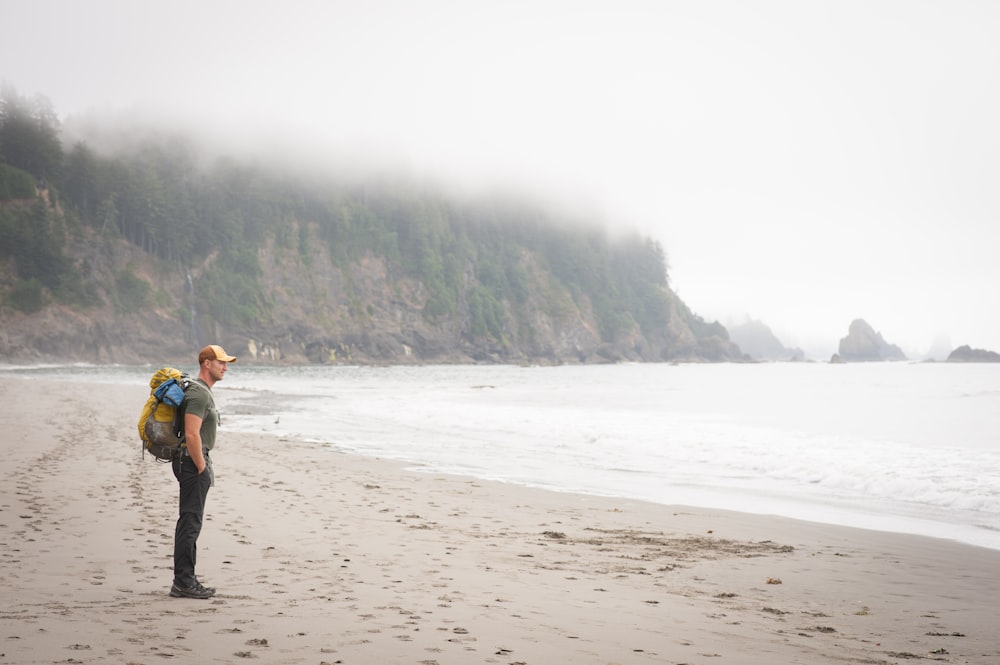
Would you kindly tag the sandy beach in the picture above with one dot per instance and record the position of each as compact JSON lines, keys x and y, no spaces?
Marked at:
{"x":321,"y":557}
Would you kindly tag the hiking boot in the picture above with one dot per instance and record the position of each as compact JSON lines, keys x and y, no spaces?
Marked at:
{"x":196,"y":591}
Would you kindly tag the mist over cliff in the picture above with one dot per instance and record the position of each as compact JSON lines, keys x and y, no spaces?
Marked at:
{"x":139,"y":244}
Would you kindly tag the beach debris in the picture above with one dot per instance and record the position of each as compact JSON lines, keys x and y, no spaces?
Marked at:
{"x":659,"y":545}
{"x":257,"y":642}
{"x":946,"y":634}
{"x":773,"y":580}
{"x":555,"y":535}
{"x":773,"y":610}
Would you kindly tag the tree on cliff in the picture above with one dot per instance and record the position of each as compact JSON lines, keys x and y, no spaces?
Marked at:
{"x":29,"y":134}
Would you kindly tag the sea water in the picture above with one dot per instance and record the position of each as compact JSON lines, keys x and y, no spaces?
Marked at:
{"x":906,"y":447}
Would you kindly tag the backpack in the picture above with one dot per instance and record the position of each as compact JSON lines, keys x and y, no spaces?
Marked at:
{"x":161,"y":423}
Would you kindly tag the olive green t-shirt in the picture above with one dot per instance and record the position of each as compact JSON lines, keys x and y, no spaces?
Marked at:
{"x":201,"y":403}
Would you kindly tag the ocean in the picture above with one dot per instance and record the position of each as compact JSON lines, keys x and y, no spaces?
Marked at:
{"x":904,"y":447}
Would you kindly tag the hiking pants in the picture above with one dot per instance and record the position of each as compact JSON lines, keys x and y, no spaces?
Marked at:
{"x":193,"y":492}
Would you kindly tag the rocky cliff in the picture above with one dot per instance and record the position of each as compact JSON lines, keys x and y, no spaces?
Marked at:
{"x":319,"y":312}
{"x":864,"y":344}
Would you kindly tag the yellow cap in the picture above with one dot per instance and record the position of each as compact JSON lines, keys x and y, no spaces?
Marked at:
{"x":215,"y":352}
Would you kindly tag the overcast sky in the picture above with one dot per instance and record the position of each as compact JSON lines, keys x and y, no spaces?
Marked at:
{"x":802,"y":163}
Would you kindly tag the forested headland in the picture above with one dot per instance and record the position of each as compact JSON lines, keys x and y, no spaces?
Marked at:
{"x":139,"y":247}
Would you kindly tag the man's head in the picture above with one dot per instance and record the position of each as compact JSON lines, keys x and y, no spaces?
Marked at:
{"x":213,"y":361}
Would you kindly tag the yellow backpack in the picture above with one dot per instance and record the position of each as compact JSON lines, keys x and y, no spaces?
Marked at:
{"x":161,"y":423}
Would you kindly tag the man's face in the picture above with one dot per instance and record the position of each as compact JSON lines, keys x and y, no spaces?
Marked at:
{"x":217,"y":369}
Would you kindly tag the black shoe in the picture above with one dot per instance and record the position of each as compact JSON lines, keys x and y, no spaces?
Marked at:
{"x":196,"y":591}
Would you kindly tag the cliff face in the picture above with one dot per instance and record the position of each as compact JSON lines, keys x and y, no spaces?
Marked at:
{"x":863,"y":344}
{"x":320,"y":313}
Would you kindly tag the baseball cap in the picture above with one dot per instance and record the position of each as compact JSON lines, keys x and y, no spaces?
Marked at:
{"x":215,"y":352}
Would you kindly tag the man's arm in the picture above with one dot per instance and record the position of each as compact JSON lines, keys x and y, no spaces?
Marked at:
{"x":192,"y":436}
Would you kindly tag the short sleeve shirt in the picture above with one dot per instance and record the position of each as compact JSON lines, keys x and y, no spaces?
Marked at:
{"x":201,"y":403}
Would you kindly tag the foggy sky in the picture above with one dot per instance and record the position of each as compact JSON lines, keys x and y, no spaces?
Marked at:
{"x":802,"y":163}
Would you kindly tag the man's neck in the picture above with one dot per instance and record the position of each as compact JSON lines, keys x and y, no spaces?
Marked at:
{"x":206,"y":378}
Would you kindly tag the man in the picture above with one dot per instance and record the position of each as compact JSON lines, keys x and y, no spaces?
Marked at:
{"x":193,"y":469}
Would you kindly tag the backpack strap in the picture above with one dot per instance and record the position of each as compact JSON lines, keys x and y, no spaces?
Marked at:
{"x":185,"y":383}
{"x":179,"y":420}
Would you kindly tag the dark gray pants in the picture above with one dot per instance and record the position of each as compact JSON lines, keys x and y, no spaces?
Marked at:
{"x":193,"y":492}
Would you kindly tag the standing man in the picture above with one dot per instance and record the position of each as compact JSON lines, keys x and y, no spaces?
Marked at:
{"x":193,"y":469}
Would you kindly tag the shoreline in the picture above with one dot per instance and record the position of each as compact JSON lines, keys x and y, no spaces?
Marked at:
{"x":323,"y":557}
{"x":967,"y":527}
{"x":919,"y":527}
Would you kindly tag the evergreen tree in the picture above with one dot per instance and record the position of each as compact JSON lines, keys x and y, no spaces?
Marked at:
{"x":29,"y":134}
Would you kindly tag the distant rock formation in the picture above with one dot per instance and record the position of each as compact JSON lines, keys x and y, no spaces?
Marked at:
{"x":757,"y":341}
{"x":939,"y":349}
{"x":965,"y":354}
{"x":863,"y":344}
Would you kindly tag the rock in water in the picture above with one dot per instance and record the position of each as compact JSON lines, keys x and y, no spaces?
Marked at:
{"x":863,"y":344}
